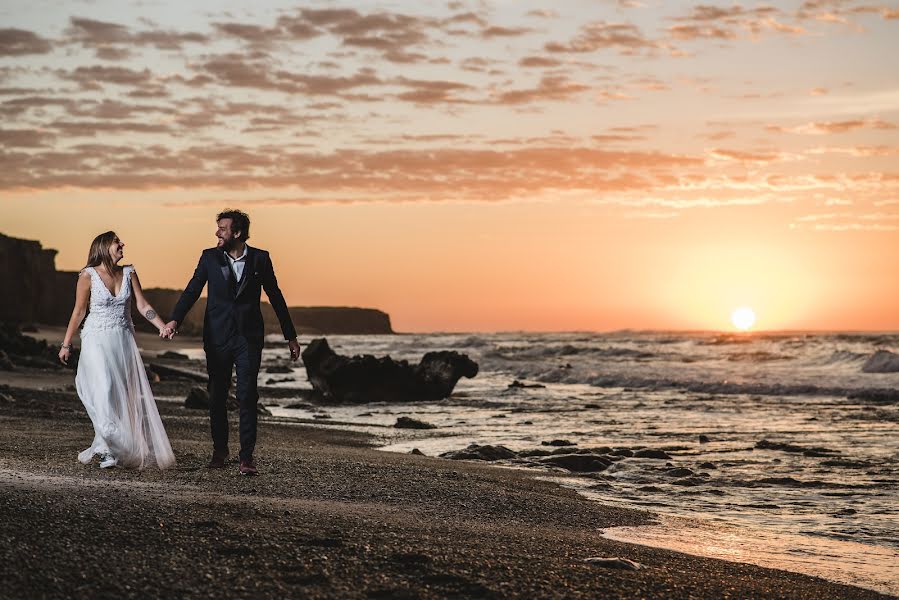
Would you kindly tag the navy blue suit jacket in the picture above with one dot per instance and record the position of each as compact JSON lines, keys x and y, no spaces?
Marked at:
{"x":232,"y":308}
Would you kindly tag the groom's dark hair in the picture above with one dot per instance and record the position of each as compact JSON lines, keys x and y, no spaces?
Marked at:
{"x":240,"y":221}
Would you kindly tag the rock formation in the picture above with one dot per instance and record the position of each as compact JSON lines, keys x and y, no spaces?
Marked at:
{"x":369,"y":379}
{"x":45,"y":295}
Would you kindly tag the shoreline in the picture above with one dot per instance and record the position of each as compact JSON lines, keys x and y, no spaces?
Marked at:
{"x":330,"y":516}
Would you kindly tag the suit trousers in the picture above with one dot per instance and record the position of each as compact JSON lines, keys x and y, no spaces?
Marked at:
{"x":237,"y":353}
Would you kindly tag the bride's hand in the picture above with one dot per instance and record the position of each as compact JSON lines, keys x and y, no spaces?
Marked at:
{"x":64,"y":356}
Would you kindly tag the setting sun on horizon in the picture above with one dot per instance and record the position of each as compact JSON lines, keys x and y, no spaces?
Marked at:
{"x":743,"y":318}
{"x":481,"y":166}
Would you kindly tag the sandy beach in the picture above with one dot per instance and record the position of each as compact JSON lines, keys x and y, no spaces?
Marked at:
{"x":329,"y":517}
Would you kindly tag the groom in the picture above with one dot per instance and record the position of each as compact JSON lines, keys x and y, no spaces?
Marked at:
{"x":233,"y":330}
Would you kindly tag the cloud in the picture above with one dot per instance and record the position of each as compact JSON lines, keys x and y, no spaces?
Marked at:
{"x":551,"y":87}
{"x":746,"y":157}
{"x":90,"y":78}
{"x":17,"y":107}
{"x":19,"y":42}
{"x":624,"y":37}
{"x":842,"y":11}
{"x":431,"y":91}
{"x":25,"y":138}
{"x":833,"y":127}
{"x":539,"y":61}
{"x":111,"y":41}
{"x":497,"y":31}
{"x":706,"y":21}
{"x":448,"y":173}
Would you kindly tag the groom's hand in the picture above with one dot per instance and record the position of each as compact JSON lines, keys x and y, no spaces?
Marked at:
{"x":172,"y":326}
{"x":294,"y":349}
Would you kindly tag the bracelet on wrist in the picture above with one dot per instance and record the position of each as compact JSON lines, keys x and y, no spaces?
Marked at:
{"x":66,"y":346}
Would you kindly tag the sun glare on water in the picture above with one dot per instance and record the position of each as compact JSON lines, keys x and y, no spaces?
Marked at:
{"x":743,"y":318}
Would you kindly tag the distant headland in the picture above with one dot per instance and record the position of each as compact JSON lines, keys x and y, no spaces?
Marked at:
{"x":38,"y":293}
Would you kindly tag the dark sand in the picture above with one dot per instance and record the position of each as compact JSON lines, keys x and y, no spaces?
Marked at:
{"x":329,"y":517}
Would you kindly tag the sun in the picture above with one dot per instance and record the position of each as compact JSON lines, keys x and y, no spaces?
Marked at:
{"x":743,"y":318}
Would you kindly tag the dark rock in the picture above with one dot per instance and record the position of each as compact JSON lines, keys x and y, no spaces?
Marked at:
{"x":708,"y":465}
{"x":25,"y":351}
{"x":784,"y":447}
{"x":625,"y":452}
{"x":261,"y":409}
{"x":417,"y":452}
{"x":876,"y":395}
{"x":29,"y":328}
{"x":651,"y":453}
{"x":152,"y":376}
{"x":704,"y":439}
{"x":680,"y":472}
{"x":530,"y":453}
{"x":519,"y":385}
{"x":173,"y":355}
{"x":279,"y":369}
{"x":198,"y":398}
{"x":282,"y":380}
{"x":689,"y":481}
{"x":45,"y":295}
{"x":558,"y":443}
{"x":592,"y":406}
{"x":6,"y":399}
{"x":321,"y":416}
{"x":370,"y":379}
{"x":847,"y":464}
{"x":476,"y":452}
{"x":5,"y":363}
{"x":166,"y":372}
{"x":580,"y":463}
{"x":410,"y":423}
{"x":300,"y":405}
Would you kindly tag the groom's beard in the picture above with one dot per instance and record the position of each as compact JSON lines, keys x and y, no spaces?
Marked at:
{"x":229,"y":245}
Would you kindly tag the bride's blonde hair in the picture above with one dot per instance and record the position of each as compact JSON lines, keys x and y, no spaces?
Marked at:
{"x":99,"y":252}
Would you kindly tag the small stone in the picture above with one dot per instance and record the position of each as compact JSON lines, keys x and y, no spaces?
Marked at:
{"x":651,"y":453}
{"x":197,"y":398}
{"x":704,"y":439}
{"x":410,"y":423}
{"x":558,"y":443}
{"x":417,"y":452}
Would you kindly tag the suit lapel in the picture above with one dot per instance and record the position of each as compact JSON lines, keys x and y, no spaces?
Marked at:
{"x":224,"y":268}
{"x":249,"y":264}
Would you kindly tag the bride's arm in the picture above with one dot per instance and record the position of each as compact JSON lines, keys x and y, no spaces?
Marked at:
{"x":82,"y":297}
{"x":143,"y":307}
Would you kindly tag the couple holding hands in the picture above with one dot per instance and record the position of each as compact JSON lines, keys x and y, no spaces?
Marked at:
{"x":111,"y":380}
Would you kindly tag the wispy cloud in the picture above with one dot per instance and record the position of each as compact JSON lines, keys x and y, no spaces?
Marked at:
{"x":19,"y":42}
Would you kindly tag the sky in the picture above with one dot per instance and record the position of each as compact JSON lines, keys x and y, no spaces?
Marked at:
{"x":475,"y":166}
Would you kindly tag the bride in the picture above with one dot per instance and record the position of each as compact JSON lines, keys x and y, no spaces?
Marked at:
{"x":111,"y":380}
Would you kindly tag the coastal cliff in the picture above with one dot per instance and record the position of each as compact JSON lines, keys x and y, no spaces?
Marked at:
{"x":38,"y":293}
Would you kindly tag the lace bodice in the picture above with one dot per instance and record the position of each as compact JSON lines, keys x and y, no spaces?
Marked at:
{"x":108,"y":311}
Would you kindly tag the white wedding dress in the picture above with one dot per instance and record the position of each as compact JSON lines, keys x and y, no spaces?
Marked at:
{"x":113,"y":385}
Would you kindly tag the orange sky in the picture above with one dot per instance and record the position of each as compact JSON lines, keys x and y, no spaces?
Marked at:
{"x":483,"y":166}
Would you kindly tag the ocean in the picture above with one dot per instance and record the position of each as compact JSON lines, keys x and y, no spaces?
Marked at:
{"x":783,"y":451}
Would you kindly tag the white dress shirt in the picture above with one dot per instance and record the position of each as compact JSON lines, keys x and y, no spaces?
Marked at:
{"x":237,"y":264}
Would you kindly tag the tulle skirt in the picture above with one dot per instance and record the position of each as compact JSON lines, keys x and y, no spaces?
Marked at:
{"x":113,"y":386}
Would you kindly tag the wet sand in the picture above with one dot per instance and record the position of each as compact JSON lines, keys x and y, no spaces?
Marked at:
{"x":329,"y":517}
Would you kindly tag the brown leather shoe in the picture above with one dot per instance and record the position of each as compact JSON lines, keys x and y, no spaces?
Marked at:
{"x":248,"y":467}
{"x":217,"y":461}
